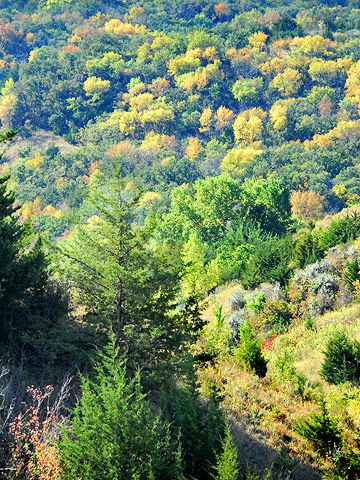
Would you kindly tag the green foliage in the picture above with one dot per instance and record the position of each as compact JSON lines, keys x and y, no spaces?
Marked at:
{"x":226,"y":467}
{"x":342,"y":360}
{"x":322,"y":430}
{"x":248,"y":351}
{"x":352,"y":273}
{"x":115,"y":434}
{"x":120,"y":279}
{"x":248,"y":91}
{"x":267,"y":204}
{"x":200,"y":421}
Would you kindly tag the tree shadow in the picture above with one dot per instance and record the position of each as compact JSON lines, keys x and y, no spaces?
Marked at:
{"x":256,"y":456}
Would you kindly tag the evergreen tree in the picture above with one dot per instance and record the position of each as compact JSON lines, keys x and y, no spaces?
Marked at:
{"x":227,"y":463}
{"x":249,"y":351}
{"x":322,"y":430}
{"x":115,"y":433}
{"x":125,"y":285}
{"x":342,"y":360}
{"x":22,"y":271}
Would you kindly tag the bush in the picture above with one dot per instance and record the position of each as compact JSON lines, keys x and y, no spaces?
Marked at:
{"x":275,"y":316}
{"x":352,"y":275}
{"x":314,"y":289}
{"x":342,"y":360}
{"x":322,"y":430}
{"x":249,"y":351}
{"x":200,"y":422}
{"x":226,"y":467}
{"x":115,"y":434}
{"x":237,"y":301}
{"x":341,"y":230}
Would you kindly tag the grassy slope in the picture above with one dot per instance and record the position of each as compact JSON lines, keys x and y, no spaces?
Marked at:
{"x":264,"y":411}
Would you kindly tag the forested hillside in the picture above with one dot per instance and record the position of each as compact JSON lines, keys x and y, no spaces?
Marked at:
{"x":179,"y":240}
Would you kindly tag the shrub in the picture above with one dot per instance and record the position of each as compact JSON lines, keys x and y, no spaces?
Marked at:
{"x":200,"y":422}
{"x":275,"y":316}
{"x":341,"y":230}
{"x":342,"y":360}
{"x":35,"y":436}
{"x":226,"y":467}
{"x":236,"y":321}
{"x":249,"y":351}
{"x":306,"y":249}
{"x":237,"y":301}
{"x":322,"y":430}
{"x":352,"y":275}
{"x":314,"y":289}
{"x":115,"y":434}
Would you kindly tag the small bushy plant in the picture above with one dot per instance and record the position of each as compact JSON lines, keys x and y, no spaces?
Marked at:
{"x":249,"y":351}
{"x":322,"y":430}
{"x":342,"y":360}
{"x":226,"y":467}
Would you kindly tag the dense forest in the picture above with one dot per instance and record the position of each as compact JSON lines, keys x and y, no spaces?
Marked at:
{"x":179,"y":240}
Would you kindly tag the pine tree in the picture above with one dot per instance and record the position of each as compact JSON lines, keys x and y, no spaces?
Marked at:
{"x":227,"y":463}
{"x":115,"y":434}
{"x":249,"y":351}
{"x":342,"y":360}
{"x":124,"y":284}
{"x":22,"y":270}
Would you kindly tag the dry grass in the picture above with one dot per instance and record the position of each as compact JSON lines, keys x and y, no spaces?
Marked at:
{"x":39,"y":140}
{"x":325,"y":222}
{"x":264,"y":411}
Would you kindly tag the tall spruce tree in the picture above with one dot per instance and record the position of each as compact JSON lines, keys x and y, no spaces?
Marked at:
{"x":22,"y":268}
{"x":124,"y":285}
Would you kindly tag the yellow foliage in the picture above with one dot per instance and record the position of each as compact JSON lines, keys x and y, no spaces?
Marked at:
{"x":8,"y":102}
{"x":258,"y":40}
{"x":118,"y":27}
{"x":199,"y":80}
{"x":248,"y":126}
{"x":193,"y":147}
{"x":159,"y":86}
{"x":161,"y":40}
{"x":135,"y":90}
{"x":150,"y":198}
{"x":127,"y":122}
{"x":188,"y":62}
{"x":342,"y":131}
{"x":30,"y":36}
{"x":278,"y":64}
{"x":278,"y":113}
{"x":206,"y":120}
{"x":288,"y":82}
{"x":32,"y":55}
{"x":5,"y":168}
{"x":353,"y":83}
{"x":312,"y":45}
{"x":320,"y":69}
{"x":30,"y":210}
{"x":36,"y":161}
{"x":236,"y":159}
{"x":133,"y":13}
{"x":158,"y":111}
{"x":53,"y":212}
{"x":96,"y":86}
{"x":210,"y":53}
{"x":141,"y":102}
{"x":154,"y":141}
{"x":224,"y":117}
